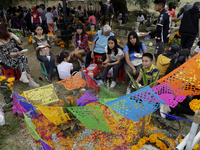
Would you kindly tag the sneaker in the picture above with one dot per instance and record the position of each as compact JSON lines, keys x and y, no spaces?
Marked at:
{"x":128,"y":91}
{"x":24,"y":78}
{"x":165,"y":109}
{"x":33,"y":84}
{"x":113,"y":83}
{"x":100,"y":82}
{"x":48,"y":78}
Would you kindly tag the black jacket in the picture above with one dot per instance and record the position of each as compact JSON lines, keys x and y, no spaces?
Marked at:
{"x":190,"y":22}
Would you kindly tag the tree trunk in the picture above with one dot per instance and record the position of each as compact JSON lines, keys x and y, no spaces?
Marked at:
{"x":120,"y":6}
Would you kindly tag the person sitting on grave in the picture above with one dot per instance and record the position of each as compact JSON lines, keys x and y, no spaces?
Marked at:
{"x":164,"y":59}
{"x":100,"y":41}
{"x":150,"y":69}
{"x":81,"y":46}
{"x":179,"y":58}
{"x":42,"y":44}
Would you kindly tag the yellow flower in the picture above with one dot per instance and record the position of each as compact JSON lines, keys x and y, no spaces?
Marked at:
{"x":89,"y":42}
{"x":143,"y":141}
{"x":118,"y":40}
{"x":139,"y":145}
{"x":196,"y":146}
{"x":11,"y":88}
{"x":158,"y":143}
{"x":134,"y":147}
{"x":3,"y":77}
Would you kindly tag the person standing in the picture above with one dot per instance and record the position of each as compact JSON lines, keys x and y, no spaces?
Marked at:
{"x":81,"y":14}
{"x":3,"y":14}
{"x":55,"y":14}
{"x":49,"y":17}
{"x":189,"y":27}
{"x":103,"y":13}
{"x":171,"y":10}
{"x":27,"y":18}
{"x":162,"y":30}
{"x":35,"y":17}
{"x":42,"y":12}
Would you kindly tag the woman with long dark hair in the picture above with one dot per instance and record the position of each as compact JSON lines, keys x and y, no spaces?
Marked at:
{"x":81,"y":46}
{"x":171,"y":10}
{"x":41,"y":42}
{"x":12,"y":57}
{"x":114,"y":58}
{"x":133,"y":55}
{"x":179,"y":58}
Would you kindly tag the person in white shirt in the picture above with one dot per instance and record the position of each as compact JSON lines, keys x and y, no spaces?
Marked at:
{"x":114,"y":59}
{"x":64,"y":67}
{"x":140,"y":18}
{"x":49,"y":18}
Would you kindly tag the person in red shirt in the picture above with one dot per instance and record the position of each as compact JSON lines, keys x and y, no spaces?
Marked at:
{"x":35,"y":17}
{"x":171,"y":10}
{"x":80,"y":44}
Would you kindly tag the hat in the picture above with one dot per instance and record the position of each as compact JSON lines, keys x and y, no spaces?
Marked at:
{"x":24,"y":8}
{"x":172,"y":49}
{"x":33,"y":8}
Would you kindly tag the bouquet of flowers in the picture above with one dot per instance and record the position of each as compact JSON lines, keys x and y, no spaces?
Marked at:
{"x":6,"y":86}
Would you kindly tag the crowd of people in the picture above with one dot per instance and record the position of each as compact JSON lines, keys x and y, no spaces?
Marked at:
{"x":134,"y":57}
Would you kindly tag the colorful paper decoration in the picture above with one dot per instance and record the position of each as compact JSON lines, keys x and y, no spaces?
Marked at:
{"x":31,"y":128}
{"x":91,"y":116}
{"x":88,"y":97}
{"x":42,"y":95}
{"x":73,"y":82}
{"x":168,"y":95}
{"x":184,"y":80}
{"x":91,"y":83}
{"x":45,"y":146}
{"x":137,"y":104}
{"x":115,"y":114}
{"x":107,"y":94}
{"x":28,"y":107}
{"x":54,"y":114}
{"x":17,"y":107}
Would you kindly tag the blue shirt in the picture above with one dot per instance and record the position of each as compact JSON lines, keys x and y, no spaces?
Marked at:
{"x":132,"y":55}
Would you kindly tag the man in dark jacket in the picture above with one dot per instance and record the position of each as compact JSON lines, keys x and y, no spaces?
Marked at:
{"x":190,"y":26}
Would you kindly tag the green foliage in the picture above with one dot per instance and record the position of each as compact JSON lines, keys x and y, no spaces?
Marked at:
{"x":152,"y":83}
{"x":69,"y":104}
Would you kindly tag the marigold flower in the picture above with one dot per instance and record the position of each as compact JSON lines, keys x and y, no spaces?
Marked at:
{"x":139,"y":145}
{"x":134,"y":147}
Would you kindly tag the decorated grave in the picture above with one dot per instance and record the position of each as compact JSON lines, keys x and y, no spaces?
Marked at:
{"x":107,"y":121}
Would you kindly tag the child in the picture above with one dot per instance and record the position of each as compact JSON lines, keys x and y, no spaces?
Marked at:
{"x":164,"y":59}
{"x":81,"y":46}
{"x":114,"y":58}
{"x":64,"y":67}
{"x":49,"y":18}
{"x":162,"y":30}
{"x":151,"y":69}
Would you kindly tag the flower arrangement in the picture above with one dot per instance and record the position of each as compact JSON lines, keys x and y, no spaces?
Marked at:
{"x":62,"y":43}
{"x":77,"y":22}
{"x":30,"y":39}
{"x":174,"y":40}
{"x":195,"y":104}
{"x":6,"y":86}
{"x":91,"y":32}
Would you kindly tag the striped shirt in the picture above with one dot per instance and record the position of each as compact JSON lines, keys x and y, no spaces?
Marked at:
{"x":151,"y":72}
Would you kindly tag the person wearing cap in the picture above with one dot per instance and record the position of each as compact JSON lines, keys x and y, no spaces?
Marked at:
{"x":183,"y":107}
{"x":164,"y":59}
{"x":100,"y":41}
{"x":35,"y":17}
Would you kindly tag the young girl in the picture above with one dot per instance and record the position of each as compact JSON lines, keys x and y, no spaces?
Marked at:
{"x":50,"y":18}
{"x":80,"y":44}
{"x":64,"y":67}
{"x":114,"y":58}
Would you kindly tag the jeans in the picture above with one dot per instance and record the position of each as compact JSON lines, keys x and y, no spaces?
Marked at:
{"x":115,"y":70}
{"x":89,"y":58}
{"x":44,"y":26}
{"x":129,"y":69}
{"x":187,"y":41}
{"x":48,"y":65}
